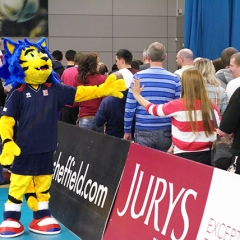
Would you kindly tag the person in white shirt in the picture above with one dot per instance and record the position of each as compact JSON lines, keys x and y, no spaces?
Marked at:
{"x":235,"y":70}
{"x":184,"y":60}
{"x":123,"y":61}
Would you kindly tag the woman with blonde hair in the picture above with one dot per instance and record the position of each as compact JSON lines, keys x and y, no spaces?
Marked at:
{"x":192,"y":125}
{"x":215,"y":92}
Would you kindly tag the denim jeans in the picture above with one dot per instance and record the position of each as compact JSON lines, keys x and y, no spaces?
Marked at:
{"x":88,"y":123}
{"x":157,"y":139}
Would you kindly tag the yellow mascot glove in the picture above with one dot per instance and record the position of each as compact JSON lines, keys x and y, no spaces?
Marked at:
{"x":10,"y":150}
{"x":111,"y":87}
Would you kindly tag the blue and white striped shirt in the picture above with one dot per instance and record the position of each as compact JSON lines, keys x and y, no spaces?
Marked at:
{"x":160,"y":86}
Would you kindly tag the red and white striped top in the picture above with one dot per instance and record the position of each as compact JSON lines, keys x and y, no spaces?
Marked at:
{"x":183,"y":138}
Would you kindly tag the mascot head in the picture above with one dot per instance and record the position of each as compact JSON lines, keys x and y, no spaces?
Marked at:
{"x":26,"y":62}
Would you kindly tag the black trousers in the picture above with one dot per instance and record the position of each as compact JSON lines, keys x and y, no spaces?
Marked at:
{"x":69,"y":115}
{"x":201,"y":157}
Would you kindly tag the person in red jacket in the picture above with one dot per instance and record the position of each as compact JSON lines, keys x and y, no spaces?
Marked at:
{"x":88,"y":75}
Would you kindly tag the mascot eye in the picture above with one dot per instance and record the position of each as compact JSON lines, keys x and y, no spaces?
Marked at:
{"x":44,"y":54}
{"x":31,"y":54}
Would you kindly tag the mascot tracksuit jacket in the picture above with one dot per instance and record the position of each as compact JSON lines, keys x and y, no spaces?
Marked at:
{"x":36,"y":111}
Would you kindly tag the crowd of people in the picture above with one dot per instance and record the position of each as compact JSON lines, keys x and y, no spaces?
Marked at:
{"x":167,"y":111}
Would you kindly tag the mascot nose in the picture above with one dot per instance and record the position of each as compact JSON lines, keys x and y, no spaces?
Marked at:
{"x":44,"y":58}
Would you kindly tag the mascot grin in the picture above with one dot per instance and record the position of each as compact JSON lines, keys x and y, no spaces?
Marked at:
{"x":33,"y":104}
{"x":35,"y":64}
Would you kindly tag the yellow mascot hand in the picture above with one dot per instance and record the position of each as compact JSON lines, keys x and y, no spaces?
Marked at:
{"x":10,"y":150}
{"x":111,"y":87}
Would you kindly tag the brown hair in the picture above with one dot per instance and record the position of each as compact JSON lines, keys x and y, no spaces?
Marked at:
{"x":226,"y":55}
{"x":218,"y":64}
{"x":103,"y":69}
{"x":193,"y":89}
{"x":87,"y":65}
{"x":77,"y":57}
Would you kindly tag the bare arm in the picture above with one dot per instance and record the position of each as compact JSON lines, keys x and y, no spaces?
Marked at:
{"x":136,"y":90}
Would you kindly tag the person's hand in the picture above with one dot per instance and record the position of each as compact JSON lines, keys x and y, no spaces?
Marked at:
{"x":229,"y":137}
{"x":170,"y":150}
{"x":127,"y":136}
{"x":136,"y":89}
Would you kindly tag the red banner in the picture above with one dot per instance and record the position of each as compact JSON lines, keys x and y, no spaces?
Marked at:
{"x":161,"y":196}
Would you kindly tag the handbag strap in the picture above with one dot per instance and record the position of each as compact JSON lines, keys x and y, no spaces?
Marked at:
{"x":213,"y":117}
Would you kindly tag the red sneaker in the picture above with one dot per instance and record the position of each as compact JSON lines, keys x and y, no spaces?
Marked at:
{"x":11,"y":228}
{"x":45,"y":225}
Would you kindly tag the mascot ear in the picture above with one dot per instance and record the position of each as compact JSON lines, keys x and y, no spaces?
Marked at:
{"x":42,"y":42}
{"x":9,"y":46}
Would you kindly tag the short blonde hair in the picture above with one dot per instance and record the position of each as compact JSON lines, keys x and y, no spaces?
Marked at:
{"x":206,"y":68}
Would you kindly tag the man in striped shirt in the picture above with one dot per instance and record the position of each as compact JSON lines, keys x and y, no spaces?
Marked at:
{"x":160,"y":86}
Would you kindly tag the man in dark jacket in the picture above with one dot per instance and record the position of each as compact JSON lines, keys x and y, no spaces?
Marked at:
{"x":57,"y":56}
{"x":111,"y":113}
{"x":230,"y":126}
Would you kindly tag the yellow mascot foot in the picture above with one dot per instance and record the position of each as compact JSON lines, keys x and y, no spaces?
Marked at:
{"x":11,"y":228}
{"x":45,"y":225}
